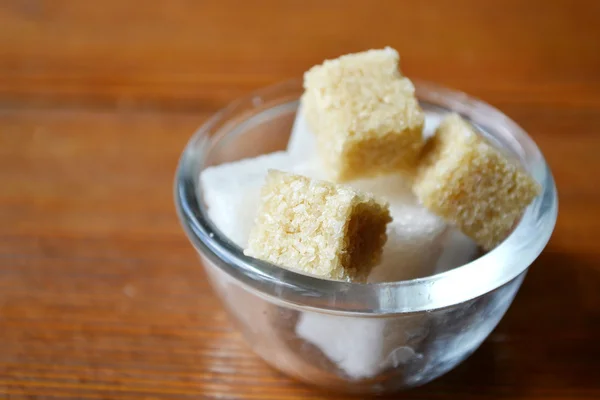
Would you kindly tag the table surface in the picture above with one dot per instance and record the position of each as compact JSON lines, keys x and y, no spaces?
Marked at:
{"x":101,"y":296}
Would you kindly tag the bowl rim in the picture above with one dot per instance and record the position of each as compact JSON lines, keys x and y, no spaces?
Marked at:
{"x":294,"y":289}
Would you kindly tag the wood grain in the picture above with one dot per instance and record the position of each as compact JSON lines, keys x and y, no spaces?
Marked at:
{"x":100,"y":294}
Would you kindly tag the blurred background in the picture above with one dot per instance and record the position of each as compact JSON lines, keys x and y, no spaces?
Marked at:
{"x":186,"y":54}
{"x":100,"y":294}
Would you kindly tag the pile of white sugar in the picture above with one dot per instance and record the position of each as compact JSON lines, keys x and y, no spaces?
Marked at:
{"x":419,"y":244}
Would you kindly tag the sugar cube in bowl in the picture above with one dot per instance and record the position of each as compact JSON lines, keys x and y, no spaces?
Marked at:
{"x":375,"y":337}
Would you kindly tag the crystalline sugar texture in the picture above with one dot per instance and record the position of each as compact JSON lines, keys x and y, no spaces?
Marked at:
{"x":464,"y":179}
{"x":364,"y":114}
{"x":302,"y":144}
{"x":232,"y":192}
{"x":331,"y":231}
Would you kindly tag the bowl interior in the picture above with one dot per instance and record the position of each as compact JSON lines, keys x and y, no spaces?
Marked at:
{"x":261,"y":123}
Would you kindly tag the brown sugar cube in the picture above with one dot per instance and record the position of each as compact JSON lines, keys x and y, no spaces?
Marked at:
{"x":465,"y":180}
{"x":331,"y":231}
{"x":364,"y":115}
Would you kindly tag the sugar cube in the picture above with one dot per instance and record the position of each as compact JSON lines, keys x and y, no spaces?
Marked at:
{"x":232,"y":192}
{"x":414,"y":235}
{"x":363,"y":347}
{"x":353,"y":344}
{"x":302,"y":143}
{"x":303,"y":146}
{"x":457,"y":249}
{"x":471,"y":184}
{"x":317,"y":227}
{"x":432,"y":121}
{"x":364,"y":115}
{"x":261,"y":320}
{"x":411,"y":252}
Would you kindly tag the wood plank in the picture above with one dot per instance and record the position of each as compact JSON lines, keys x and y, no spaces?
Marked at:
{"x":101,"y":295}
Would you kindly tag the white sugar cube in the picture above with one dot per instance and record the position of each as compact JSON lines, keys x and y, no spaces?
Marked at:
{"x":432,"y":121}
{"x":458,"y":249}
{"x":410,"y":252}
{"x":232,"y":192}
{"x":353,"y":344}
{"x":302,"y":144}
{"x":312,"y":169}
{"x":363,"y":347}
{"x":414,"y":235}
{"x":360,"y":347}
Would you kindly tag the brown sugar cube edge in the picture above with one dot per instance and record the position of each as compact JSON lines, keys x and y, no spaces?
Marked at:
{"x":317,"y":227}
{"x":364,"y":114}
{"x":465,"y":180}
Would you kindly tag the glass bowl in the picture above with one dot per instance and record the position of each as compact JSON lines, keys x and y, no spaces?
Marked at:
{"x":359,"y":338}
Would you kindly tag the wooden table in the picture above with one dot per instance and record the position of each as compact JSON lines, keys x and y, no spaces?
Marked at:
{"x":101,"y":296}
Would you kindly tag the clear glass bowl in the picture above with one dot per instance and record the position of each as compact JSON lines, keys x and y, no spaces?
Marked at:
{"x":359,"y":338}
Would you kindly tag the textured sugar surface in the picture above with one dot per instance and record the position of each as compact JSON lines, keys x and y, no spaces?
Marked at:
{"x":471,"y":184}
{"x":317,"y":227}
{"x":364,"y":114}
{"x":415,"y":235}
{"x":302,"y":144}
{"x":232,"y":192}
{"x":419,"y":243}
